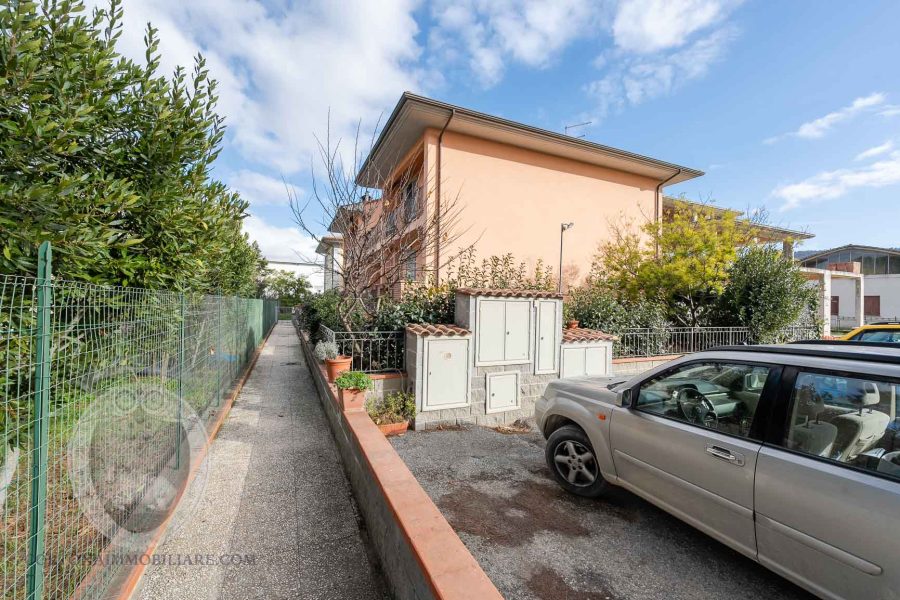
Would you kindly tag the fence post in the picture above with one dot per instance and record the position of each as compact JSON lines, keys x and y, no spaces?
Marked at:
{"x":180,"y":387}
{"x":40,"y":426}
{"x":219,"y":351}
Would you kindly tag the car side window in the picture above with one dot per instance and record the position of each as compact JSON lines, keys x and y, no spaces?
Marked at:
{"x":884,"y":336}
{"x":852,"y":421}
{"x":717,"y":395}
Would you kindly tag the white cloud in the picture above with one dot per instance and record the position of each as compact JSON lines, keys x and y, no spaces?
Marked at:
{"x":486,"y":34}
{"x":659,"y":45}
{"x":834,"y":184}
{"x":259,"y":189}
{"x":282,"y":66}
{"x":817,"y":128}
{"x":647,"y":26}
{"x":890,"y":110}
{"x":645,"y":77}
{"x":280,"y":243}
{"x":876,"y":151}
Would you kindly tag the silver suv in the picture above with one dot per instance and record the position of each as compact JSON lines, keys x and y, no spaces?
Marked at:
{"x":788,"y":454}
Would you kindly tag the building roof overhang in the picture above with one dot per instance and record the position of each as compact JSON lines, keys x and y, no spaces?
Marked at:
{"x":414,"y":114}
{"x":768,"y":233}
{"x":326,"y":243}
{"x":816,"y":255}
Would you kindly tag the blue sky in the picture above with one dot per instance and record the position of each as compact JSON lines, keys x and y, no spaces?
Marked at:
{"x":791,"y":106}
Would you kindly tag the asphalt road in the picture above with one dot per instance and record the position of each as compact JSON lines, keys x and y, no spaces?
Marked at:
{"x":536,"y":541}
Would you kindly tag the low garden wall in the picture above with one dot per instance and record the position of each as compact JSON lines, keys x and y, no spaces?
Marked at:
{"x":421,"y":555}
{"x":639,"y":364}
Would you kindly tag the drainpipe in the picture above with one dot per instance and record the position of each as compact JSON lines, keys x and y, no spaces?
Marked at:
{"x":657,"y":207}
{"x":437,"y":200}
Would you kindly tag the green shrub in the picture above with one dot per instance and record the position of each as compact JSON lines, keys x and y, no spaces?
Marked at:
{"x":323,"y":309}
{"x":353,"y":380}
{"x":596,"y":307}
{"x":396,"y":407}
{"x":765,"y":293}
{"x":499,"y":272}
{"x":111,"y":159}
{"x":325,"y":350}
{"x":421,"y":304}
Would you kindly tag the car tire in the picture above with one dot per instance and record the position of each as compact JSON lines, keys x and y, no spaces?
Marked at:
{"x":567,"y":457}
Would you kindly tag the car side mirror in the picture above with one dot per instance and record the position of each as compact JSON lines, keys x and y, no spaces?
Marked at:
{"x":623,"y":398}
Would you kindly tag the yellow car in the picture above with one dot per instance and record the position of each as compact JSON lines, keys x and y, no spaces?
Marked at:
{"x":887,"y":332}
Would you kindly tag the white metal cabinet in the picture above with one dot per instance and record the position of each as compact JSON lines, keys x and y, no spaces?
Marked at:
{"x":503,"y":331}
{"x":548,"y":325}
{"x":597,"y":360}
{"x":572,"y":362}
{"x":447,"y":373}
{"x":502,"y":391}
{"x":579,"y":360}
{"x":491,"y":332}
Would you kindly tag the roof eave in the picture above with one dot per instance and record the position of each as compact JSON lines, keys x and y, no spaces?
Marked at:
{"x":669,"y":171}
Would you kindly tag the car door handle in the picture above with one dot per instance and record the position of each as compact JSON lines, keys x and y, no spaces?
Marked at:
{"x":725,"y":454}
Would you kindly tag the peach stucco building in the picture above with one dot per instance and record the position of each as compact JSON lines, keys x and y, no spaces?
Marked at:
{"x":513,"y":185}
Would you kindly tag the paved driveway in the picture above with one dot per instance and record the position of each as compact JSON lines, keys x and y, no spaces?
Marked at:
{"x":536,"y":541}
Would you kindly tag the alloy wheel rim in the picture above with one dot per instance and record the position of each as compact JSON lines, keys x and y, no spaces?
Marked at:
{"x":575,"y":463}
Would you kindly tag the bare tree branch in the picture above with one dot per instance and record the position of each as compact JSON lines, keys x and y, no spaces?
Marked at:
{"x":387,"y":230}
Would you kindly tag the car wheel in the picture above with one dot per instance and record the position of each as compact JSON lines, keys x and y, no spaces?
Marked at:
{"x":573,"y":463}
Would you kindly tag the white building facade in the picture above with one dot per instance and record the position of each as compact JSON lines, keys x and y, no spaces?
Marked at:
{"x":880,"y":271}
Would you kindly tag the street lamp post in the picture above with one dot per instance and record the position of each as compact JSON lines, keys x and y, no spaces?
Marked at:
{"x":562,"y":229}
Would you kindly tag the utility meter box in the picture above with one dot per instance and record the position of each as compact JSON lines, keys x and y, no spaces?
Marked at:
{"x":586,"y":352}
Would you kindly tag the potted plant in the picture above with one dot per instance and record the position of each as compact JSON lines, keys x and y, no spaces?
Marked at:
{"x":352,"y":387}
{"x":572,"y":324}
{"x":392,"y":413}
{"x":335,"y":363}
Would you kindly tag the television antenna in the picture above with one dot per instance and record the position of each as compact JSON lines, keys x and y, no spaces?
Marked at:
{"x":568,"y":127}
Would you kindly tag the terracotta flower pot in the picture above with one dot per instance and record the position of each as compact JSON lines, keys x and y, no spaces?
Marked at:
{"x":389,"y":429}
{"x":336,"y":366}
{"x":352,"y":400}
{"x":572,"y":324}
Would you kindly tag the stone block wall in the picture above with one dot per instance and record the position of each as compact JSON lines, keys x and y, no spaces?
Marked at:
{"x":382,"y":385}
{"x":531,"y":387}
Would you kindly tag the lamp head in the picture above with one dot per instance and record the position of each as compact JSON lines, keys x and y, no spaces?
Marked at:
{"x":566,"y":226}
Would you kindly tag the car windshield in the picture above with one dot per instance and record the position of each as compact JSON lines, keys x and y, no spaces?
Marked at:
{"x":885,"y":336}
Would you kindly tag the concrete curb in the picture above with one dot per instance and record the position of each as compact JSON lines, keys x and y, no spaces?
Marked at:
{"x":421,"y":555}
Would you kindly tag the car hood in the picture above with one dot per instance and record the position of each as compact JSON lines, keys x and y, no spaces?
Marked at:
{"x":594,"y":387}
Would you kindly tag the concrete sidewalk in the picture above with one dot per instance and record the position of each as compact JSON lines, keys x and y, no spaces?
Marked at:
{"x":275,"y":495}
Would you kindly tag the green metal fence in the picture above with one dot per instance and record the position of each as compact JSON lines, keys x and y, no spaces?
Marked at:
{"x":104,"y":392}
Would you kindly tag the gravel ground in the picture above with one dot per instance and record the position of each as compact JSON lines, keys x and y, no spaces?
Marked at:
{"x":536,"y":541}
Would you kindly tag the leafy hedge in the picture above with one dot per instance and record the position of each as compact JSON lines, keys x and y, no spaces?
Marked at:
{"x":596,"y":307}
{"x":766,"y":294}
{"x":109,"y":159}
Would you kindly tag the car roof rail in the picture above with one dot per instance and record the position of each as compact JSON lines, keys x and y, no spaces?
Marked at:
{"x":857,"y":343}
{"x":795,"y":349}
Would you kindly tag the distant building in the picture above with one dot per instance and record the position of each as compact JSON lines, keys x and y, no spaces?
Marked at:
{"x":312,"y":271}
{"x":880,"y":270}
{"x":331,"y":247}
